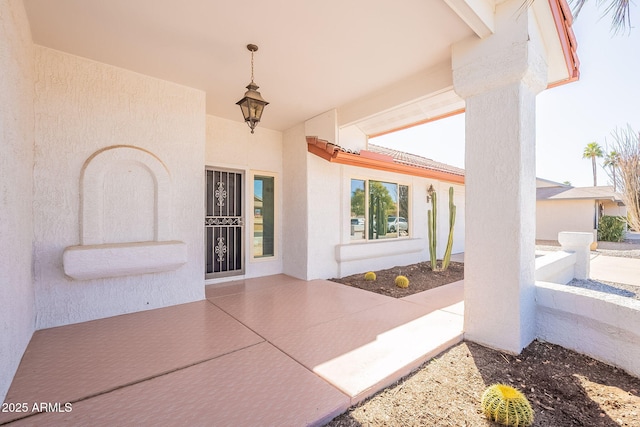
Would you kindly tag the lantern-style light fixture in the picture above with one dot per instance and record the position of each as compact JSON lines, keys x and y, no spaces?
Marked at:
{"x":252,"y":105}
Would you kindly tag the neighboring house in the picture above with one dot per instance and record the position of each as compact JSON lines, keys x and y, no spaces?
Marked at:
{"x":561,"y":207}
{"x":128,"y":178}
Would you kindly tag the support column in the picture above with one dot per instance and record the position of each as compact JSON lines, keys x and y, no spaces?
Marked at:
{"x":499,"y":78}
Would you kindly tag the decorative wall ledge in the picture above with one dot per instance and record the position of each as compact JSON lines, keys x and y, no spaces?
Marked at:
{"x":88,"y":262}
{"x":382,"y":248}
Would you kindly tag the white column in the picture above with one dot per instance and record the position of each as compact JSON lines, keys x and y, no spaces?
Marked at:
{"x":499,"y":78}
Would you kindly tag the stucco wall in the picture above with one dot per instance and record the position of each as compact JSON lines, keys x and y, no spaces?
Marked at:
{"x":17,"y":306}
{"x":295,"y":197}
{"x":325,"y":217}
{"x":555,"y":216}
{"x":360,"y":256}
{"x":231,"y":145}
{"x":612,"y":208}
{"x":603,"y":326}
{"x":81,"y":107}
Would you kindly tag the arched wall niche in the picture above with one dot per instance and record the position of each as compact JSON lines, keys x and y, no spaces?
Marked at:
{"x":125,"y":217}
{"x":96,"y":180}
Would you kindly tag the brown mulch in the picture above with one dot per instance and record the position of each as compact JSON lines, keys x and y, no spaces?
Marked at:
{"x":563,"y":387}
{"x":420,"y":276}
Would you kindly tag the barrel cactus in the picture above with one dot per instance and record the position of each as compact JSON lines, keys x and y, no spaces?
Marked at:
{"x":370,"y":276}
{"x":506,"y":405}
{"x":402,"y":282}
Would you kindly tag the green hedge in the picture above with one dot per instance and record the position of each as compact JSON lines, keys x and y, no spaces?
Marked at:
{"x":611,"y":228}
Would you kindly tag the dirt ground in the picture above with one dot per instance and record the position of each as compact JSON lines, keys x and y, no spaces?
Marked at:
{"x":420,"y":276}
{"x":563,"y":387}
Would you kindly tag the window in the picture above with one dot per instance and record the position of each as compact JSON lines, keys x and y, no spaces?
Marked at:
{"x":263,"y":216}
{"x":379,"y":210}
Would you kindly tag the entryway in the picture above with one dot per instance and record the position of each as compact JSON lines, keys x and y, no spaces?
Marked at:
{"x":224,"y":223}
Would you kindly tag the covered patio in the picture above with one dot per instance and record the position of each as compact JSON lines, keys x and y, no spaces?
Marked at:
{"x":121,"y":141}
{"x":269,"y":351}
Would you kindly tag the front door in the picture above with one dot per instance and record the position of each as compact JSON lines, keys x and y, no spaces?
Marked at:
{"x":224,"y":223}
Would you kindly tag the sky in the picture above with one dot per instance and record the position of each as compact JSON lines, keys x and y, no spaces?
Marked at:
{"x":606,"y":98}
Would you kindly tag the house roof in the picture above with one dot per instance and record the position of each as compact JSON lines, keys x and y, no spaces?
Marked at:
{"x":402,"y":157}
{"x":565,"y":192}
{"x":367,"y":59}
{"x":386,"y":159}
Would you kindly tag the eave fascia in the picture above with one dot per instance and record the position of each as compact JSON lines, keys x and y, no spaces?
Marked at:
{"x":332,"y":153}
{"x":563,"y":20}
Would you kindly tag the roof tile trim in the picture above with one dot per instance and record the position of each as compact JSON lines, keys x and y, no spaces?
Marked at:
{"x":336,"y":154}
{"x":563,"y":20}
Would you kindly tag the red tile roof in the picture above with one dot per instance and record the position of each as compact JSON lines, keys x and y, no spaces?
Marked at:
{"x":415,"y":160}
{"x":386,"y":159}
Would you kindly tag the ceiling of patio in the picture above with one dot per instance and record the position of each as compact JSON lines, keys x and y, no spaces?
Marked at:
{"x":313,"y":55}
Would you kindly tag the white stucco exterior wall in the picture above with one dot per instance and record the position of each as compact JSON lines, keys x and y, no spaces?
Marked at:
{"x":82,"y":106}
{"x":555,"y":216}
{"x":499,"y":78}
{"x":603,"y":326}
{"x":296,"y":202}
{"x":17,"y":301}
{"x":360,"y":256}
{"x":231,"y":145}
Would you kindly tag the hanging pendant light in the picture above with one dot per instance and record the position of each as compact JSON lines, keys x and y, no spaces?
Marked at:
{"x":252,"y":105}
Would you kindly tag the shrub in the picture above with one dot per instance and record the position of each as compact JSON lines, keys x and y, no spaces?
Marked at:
{"x":506,"y":405}
{"x":370,"y":275}
{"x":611,"y":228}
{"x":402,"y":282}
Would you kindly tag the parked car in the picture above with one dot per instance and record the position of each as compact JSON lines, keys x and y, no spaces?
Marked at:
{"x":397,"y":224}
{"x":357,"y":224}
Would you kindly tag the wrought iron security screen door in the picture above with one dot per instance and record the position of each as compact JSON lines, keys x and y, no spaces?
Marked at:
{"x":224,"y":223}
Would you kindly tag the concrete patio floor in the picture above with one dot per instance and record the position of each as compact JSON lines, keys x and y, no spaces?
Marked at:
{"x":274,"y":351}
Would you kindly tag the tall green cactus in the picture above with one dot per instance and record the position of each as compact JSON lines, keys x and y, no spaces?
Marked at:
{"x":433,"y":232}
{"x":452,"y":222}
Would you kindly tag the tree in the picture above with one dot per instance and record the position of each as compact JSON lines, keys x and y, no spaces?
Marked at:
{"x":611,"y":161}
{"x":626,"y":142}
{"x":593,"y":150}
{"x":620,"y":9}
{"x":357,"y":202}
{"x":567,"y":183}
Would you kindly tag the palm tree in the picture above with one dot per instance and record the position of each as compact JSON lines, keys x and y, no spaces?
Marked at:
{"x":611,"y":160}
{"x":620,"y":9}
{"x":593,"y":150}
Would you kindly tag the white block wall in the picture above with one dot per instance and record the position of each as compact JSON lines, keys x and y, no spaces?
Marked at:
{"x":17,"y":306}
{"x":603,"y":326}
{"x":82,"y":106}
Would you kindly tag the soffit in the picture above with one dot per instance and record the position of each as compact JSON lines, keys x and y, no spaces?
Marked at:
{"x":313,"y":56}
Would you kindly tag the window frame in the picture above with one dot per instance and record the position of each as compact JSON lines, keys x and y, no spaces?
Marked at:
{"x":276,"y":216}
{"x":398,"y":183}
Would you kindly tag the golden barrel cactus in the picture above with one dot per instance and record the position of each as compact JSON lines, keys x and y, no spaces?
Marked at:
{"x":506,"y":405}
{"x":402,"y":282}
{"x":370,"y":276}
